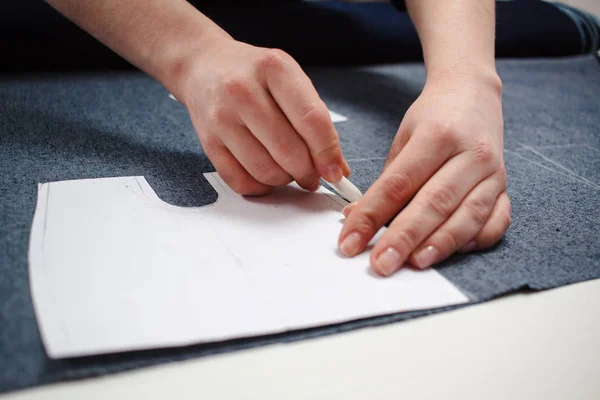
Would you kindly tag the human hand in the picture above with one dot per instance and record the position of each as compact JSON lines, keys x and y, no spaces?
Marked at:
{"x":259,"y":118}
{"x":445,"y":174}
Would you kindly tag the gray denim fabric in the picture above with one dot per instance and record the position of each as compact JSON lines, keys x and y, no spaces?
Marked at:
{"x":120,"y":124}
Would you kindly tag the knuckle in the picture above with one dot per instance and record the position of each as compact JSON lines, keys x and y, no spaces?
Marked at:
{"x":398,"y":186}
{"x":287,"y":153}
{"x":216,"y":116}
{"x":503,"y":178}
{"x":488,"y":237}
{"x":243,"y":185}
{"x":506,"y":220}
{"x":447,"y":241}
{"x":441,"y":201}
{"x":329,"y":151}
{"x":273,"y":60}
{"x":230,"y":178}
{"x":240,"y":187}
{"x":367,"y":222}
{"x":316,"y":117}
{"x":442,"y":134}
{"x":308,"y":177}
{"x":491,"y":237}
{"x":397,"y":146}
{"x":478,"y":209}
{"x":237,"y":87}
{"x":407,"y":238}
{"x":269,"y":173}
{"x":234,"y":180}
{"x":483,"y":152}
{"x":209,"y":143}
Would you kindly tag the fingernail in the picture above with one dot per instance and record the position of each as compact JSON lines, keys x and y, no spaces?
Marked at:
{"x":349,"y":246}
{"x":426,"y":257}
{"x":388,"y":261}
{"x":348,"y":209}
{"x":333,"y":173}
{"x":468,"y":247}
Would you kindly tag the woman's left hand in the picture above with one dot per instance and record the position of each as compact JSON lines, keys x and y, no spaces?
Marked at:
{"x":444,"y":183}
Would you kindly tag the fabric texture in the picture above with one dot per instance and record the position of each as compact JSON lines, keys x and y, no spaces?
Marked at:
{"x":57,"y":127}
{"x":587,"y":24}
{"x":324,"y":32}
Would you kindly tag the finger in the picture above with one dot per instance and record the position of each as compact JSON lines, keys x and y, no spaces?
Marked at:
{"x":232,"y":172}
{"x":348,"y":209}
{"x":398,"y":144}
{"x":494,"y":228}
{"x":417,"y":162}
{"x":298,"y":99}
{"x":253,"y":156}
{"x":462,"y":226}
{"x":259,"y":112}
{"x":432,"y":205}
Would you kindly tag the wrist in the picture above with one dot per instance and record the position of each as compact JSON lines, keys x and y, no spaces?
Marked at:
{"x":483,"y":76}
{"x":173,"y":55}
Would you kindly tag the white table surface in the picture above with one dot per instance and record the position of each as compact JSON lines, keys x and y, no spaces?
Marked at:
{"x":525,"y":346}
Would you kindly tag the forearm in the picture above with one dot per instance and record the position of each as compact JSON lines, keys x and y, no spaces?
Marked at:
{"x":155,"y":35}
{"x":457,"y":35}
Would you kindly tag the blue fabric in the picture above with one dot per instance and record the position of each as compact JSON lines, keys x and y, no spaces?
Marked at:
{"x":55,"y":127}
{"x":316,"y":33}
{"x":587,"y":25}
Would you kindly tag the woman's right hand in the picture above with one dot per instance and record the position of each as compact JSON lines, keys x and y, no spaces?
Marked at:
{"x":259,"y":118}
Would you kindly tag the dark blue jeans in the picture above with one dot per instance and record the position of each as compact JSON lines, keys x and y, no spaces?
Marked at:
{"x":35,"y":37}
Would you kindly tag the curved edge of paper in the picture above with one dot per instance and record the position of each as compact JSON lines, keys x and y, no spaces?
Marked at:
{"x":222,"y":190}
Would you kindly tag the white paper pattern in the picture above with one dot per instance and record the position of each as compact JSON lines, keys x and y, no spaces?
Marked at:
{"x":113,"y":268}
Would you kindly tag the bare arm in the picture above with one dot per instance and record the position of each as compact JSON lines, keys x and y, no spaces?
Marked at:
{"x":259,"y":118}
{"x":157,"y":36}
{"x":457,"y":35}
